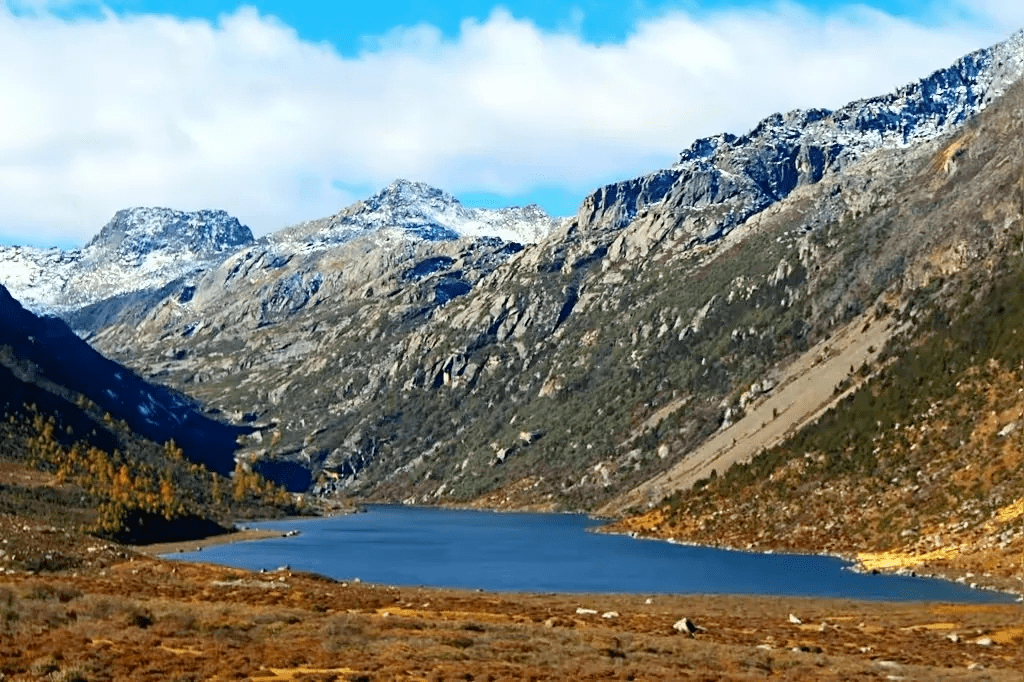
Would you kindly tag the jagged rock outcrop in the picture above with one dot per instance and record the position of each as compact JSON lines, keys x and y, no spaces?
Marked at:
{"x":720,"y":181}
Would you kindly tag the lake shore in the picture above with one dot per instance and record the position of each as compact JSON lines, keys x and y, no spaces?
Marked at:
{"x":247,"y":535}
{"x":889,"y":563}
{"x":961,"y":565}
{"x":118,"y":614}
{"x":150,"y":618}
{"x":244,"y":533}
{"x":612,"y":565}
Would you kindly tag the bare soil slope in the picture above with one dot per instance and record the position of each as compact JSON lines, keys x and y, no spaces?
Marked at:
{"x":816,"y":381}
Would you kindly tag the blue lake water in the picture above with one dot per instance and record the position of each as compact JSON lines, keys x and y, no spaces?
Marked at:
{"x":551,"y":553}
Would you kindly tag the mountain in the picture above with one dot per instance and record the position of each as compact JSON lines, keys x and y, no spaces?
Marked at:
{"x":89,"y":448}
{"x":916,"y":463}
{"x":146,"y":254}
{"x":146,"y":238}
{"x":424,"y":212}
{"x":721,"y":181}
{"x":139,"y":252}
{"x":397,"y":366}
{"x":147,"y":264}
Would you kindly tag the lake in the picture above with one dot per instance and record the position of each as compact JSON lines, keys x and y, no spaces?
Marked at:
{"x":552,"y":553}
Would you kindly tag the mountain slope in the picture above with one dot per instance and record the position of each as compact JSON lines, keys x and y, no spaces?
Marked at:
{"x":45,"y":353}
{"x":70,"y":459}
{"x":919,"y":468}
{"x":573,"y":370}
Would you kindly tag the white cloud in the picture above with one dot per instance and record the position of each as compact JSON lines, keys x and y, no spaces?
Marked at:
{"x":101,"y":113}
{"x":1004,"y":15}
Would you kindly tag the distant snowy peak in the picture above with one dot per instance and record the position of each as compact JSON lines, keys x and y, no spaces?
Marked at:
{"x":913,"y":113}
{"x":135,"y":233}
{"x":401,"y":195}
{"x":425,"y":212}
{"x":523,"y":224}
{"x":139,"y":249}
{"x":740,"y":176}
{"x":36,"y":277}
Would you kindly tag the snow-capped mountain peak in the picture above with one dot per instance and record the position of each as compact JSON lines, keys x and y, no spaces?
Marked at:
{"x":403,"y":193}
{"x":422,"y":211}
{"x":741,"y":175}
{"x":139,"y":249}
{"x":135,"y":233}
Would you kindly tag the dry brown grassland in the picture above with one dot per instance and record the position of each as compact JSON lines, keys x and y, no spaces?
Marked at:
{"x":142,"y":618}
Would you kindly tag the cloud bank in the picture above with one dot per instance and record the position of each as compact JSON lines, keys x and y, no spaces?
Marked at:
{"x":111,"y":111}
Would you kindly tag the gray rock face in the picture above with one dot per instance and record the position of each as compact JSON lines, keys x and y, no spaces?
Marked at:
{"x":134,"y":234}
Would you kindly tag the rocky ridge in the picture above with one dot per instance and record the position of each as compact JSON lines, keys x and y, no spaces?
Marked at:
{"x":721,"y":181}
{"x":145,"y":255}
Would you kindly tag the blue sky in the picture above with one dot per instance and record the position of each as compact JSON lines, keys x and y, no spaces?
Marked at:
{"x":353,"y":26}
{"x":283,"y":111}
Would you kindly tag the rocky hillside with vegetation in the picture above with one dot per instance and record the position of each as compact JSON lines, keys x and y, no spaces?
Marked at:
{"x":72,"y":457}
{"x":43,"y":352}
{"x":920,"y":467}
{"x":564,"y":374}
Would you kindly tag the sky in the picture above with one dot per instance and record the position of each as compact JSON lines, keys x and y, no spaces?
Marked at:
{"x":280,"y":111}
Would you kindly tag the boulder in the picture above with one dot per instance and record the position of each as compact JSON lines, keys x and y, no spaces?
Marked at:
{"x":687,"y":626}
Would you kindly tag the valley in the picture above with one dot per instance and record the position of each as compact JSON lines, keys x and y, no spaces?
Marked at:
{"x":803,"y":338}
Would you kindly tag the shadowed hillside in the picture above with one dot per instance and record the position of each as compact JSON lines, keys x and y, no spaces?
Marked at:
{"x":46,"y":356}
